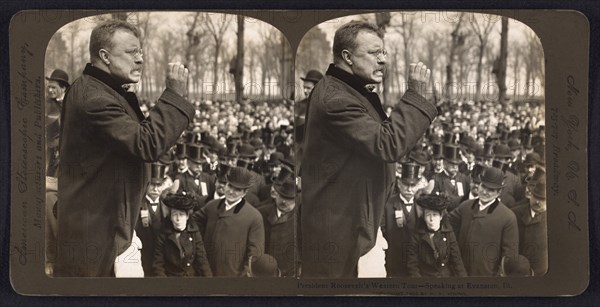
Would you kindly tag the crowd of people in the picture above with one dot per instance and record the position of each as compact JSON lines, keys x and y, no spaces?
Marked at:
{"x":455,"y":188}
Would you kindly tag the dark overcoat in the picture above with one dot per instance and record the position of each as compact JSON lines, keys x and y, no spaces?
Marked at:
{"x":348,"y":169}
{"x":457,"y":189}
{"x":438,"y":256}
{"x":280,"y":238}
{"x":485,"y":236}
{"x":104,"y":146}
{"x":231,"y":236}
{"x":533,"y":237}
{"x":148,"y":233}
{"x":180,"y":256}
{"x":398,"y":238}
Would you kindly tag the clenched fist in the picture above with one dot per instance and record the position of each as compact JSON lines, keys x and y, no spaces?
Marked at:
{"x":177,"y":76}
{"x":418,"y":78}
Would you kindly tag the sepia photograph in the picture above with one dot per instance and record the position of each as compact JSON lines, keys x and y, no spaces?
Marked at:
{"x":423,"y":147}
{"x":169,"y":147}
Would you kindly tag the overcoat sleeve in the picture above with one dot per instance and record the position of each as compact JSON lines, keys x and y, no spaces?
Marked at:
{"x":458,"y":267}
{"x":148,"y":139}
{"x":349,"y":122}
{"x":256,"y":238}
{"x":158,"y":265}
{"x":201,"y":265}
{"x":510,"y":236}
{"x":412,"y":255}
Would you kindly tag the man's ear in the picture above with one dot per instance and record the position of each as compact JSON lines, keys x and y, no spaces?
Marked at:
{"x":347,"y":56}
{"x":103,"y":53}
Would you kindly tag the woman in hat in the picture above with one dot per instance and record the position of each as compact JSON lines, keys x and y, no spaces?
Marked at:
{"x":433,"y":250}
{"x":179,"y":247}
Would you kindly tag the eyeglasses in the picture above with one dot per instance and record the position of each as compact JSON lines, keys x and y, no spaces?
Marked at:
{"x":379,"y":53}
{"x":135,"y":52}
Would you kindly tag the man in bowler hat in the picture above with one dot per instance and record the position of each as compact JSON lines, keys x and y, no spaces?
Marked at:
{"x":57,"y":85}
{"x":232,"y":229}
{"x":486,"y":229}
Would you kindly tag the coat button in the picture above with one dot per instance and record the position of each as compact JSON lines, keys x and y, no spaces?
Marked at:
{"x":188,"y":264}
{"x":443,"y":264}
{"x":444,"y":239}
{"x":190,"y":238}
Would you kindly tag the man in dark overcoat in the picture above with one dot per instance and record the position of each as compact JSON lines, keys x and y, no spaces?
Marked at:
{"x":350,"y":149}
{"x":105,"y":145}
{"x":485,"y":228}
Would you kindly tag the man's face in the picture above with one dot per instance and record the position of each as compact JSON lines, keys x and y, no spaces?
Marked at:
{"x":407,"y":190}
{"x":220,"y":187}
{"x":438,"y":165}
{"x":451,"y":168}
{"x":125,"y":57}
{"x":195,"y":167}
{"x":233,"y":194}
{"x":55,"y":91}
{"x":538,"y":205}
{"x":182,"y":164}
{"x":283,"y":204}
{"x":474,"y":188}
{"x":487,"y":194}
{"x":154,"y":190}
{"x":308,"y":86}
{"x":366,"y":64}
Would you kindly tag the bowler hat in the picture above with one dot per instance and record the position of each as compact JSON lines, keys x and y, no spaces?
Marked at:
{"x":492,"y":178}
{"x":240,"y":177}
{"x":451,"y":153}
{"x":532,"y":158}
{"x":410,"y":173}
{"x":196,"y":153}
{"x":246,"y":150}
{"x":514,"y":144}
{"x":287,"y":171}
{"x":286,"y":188}
{"x":420,"y":157}
{"x":502,"y":151}
{"x":179,"y":201}
{"x":256,"y":143}
{"x":207,"y":140}
{"x":59,"y":76}
{"x":518,"y":266}
{"x":275,"y":158}
{"x":313,"y":76}
{"x":264,"y":265}
{"x":539,"y":189}
{"x":467,"y":141}
{"x":432,"y":201}
{"x":538,"y":175}
{"x":158,"y":172}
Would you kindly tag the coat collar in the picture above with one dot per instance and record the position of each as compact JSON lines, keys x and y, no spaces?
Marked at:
{"x":236,"y":209}
{"x":359,"y":86}
{"x":274,"y":220}
{"x":107,"y":79}
{"x":490,"y":209}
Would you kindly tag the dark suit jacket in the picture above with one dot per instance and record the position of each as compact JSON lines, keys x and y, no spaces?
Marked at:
{"x":280,"y":238}
{"x":104,"y":146}
{"x":533,"y":237}
{"x":348,"y":169}
{"x":397,"y":238}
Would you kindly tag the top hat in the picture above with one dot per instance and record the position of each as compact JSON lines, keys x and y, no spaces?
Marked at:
{"x":192,"y":137}
{"x":240,"y":177}
{"x":158,"y":172}
{"x":256,"y":143}
{"x":488,"y":150}
{"x":527,"y":140}
{"x":196,"y":153}
{"x":286,"y":188}
{"x":313,"y":76}
{"x":492,"y":178}
{"x":231,"y":150}
{"x":222,"y":171}
{"x":467,"y":141}
{"x":59,"y":76}
{"x":451,"y":153}
{"x":410,"y":173}
{"x":420,"y":157}
{"x":432,"y":201}
{"x":476,"y":173}
{"x":436,"y":149}
{"x":180,"y":151}
{"x":207,"y":140}
{"x":450,"y":138}
{"x":179,"y":201}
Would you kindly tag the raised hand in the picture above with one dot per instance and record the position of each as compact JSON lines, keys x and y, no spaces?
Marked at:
{"x":177,"y":76}
{"x":418,"y":78}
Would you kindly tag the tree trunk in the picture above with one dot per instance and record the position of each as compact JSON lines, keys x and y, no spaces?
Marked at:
{"x":457,"y":40}
{"x":479,"y":69}
{"x":239,"y":66}
{"x":501,"y":69}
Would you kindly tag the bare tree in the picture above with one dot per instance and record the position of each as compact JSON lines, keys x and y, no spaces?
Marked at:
{"x":533,"y":61}
{"x":482,"y":30}
{"x":500,"y":63}
{"x":216,"y":27}
{"x":457,"y":41}
{"x":239,"y":66}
